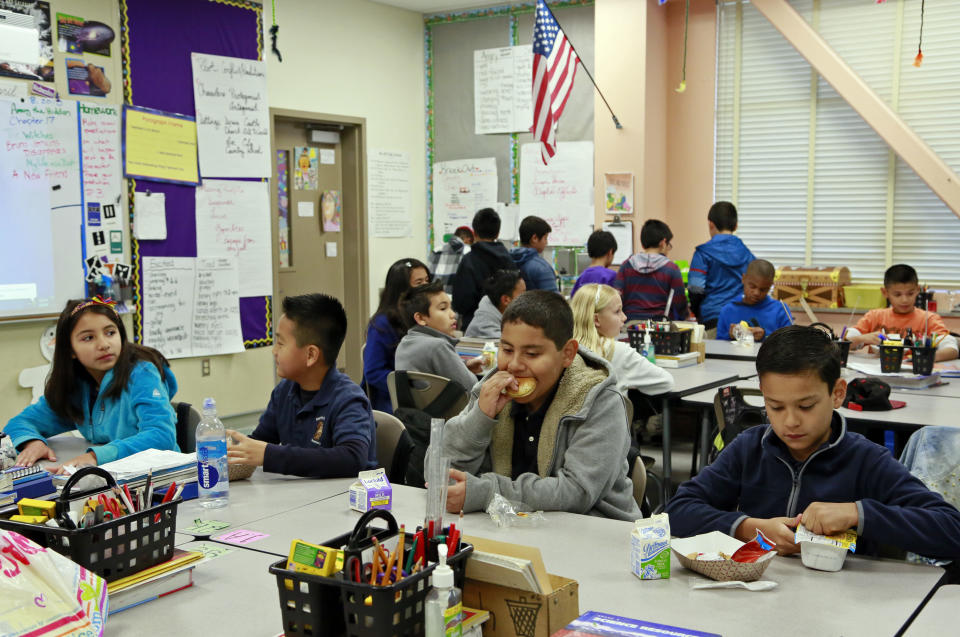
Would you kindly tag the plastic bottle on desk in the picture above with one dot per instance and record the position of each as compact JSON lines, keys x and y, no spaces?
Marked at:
{"x":649,"y":351}
{"x":444,"y":607}
{"x":212,"y":471}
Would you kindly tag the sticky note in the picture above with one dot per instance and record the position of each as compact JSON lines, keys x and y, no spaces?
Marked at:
{"x":331,"y":248}
{"x":304,"y":208}
{"x":210,"y":551}
{"x":205,"y":527}
{"x":241,"y":536}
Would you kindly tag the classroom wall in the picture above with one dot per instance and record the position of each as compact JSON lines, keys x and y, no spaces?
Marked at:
{"x":360,"y":59}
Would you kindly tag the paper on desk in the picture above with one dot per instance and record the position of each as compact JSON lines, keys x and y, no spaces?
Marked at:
{"x":205,"y":527}
{"x":758,"y":585}
{"x":149,"y":459}
{"x":210,"y":551}
{"x":241,"y":536}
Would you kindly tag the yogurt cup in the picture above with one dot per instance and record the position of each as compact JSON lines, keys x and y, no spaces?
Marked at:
{"x":822,"y":557}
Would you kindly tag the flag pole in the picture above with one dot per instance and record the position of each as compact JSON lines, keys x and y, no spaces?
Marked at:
{"x":616,"y":122}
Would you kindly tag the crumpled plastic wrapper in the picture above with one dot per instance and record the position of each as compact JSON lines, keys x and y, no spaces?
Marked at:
{"x":505,"y":513}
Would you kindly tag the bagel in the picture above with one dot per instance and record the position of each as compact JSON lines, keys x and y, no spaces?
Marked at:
{"x":525,"y":387}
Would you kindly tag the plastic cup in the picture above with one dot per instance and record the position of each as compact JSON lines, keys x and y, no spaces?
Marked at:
{"x":891,"y":358}
{"x":844,"y":347}
{"x":822,"y":557}
{"x":923,"y":360}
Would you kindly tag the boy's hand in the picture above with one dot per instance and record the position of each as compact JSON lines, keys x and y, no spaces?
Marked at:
{"x":33,"y":451}
{"x":758,"y":333}
{"x":456,"y":492}
{"x":491,"y":401}
{"x":779,"y":530}
{"x":873,"y":338}
{"x":733,"y":326}
{"x":828,"y":518}
{"x":244,"y":449}
{"x":475,"y":365}
{"x":83,"y":460}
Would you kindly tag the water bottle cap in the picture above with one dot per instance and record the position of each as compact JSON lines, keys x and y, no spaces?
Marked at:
{"x":209,"y":403}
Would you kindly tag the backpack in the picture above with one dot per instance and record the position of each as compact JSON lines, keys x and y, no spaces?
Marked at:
{"x":417,"y":422}
{"x":734,"y":415}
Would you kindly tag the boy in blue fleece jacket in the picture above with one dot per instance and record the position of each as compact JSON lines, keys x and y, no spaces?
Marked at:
{"x":318,"y":423}
{"x":537,"y":273}
{"x":806,"y":467}
{"x":763,"y":313}
{"x":717,"y":265}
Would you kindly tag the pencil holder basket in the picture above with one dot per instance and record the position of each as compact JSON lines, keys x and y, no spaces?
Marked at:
{"x":891,"y":358}
{"x":114,"y":548}
{"x":664,"y":343}
{"x":844,"y":347}
{"x":336,"y":606}
{"x":923,"y":358}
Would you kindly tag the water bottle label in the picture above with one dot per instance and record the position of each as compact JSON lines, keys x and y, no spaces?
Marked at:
{"x":211,"y":450}
{"x":208,"y":453}
{"x":207,"y":475}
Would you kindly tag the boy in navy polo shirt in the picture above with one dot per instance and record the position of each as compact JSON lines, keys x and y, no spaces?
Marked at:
{"x":318,"y":423}
{"x":806,"y":467}
{"x":762,"y":312}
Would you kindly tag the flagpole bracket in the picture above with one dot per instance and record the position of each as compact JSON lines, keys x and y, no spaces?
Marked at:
{"x":616,"y":122}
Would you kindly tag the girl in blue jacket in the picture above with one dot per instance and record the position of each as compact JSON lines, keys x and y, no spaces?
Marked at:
{"x":116,"y":393}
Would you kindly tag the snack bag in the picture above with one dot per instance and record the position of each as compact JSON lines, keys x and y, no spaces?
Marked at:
{"x":650,"y":547}
{"x":755,"y":549}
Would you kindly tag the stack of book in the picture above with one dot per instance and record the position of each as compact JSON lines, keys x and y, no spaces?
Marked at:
{"x":153,"y":583}
{"x":162,"y":467}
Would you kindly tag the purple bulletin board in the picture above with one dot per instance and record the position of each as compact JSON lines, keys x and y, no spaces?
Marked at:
{"x":157,"y":39}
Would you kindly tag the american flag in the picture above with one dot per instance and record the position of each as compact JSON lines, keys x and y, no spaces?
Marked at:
{"x":554,"y":67}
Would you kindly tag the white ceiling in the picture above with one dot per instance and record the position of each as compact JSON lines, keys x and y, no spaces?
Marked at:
{"x":437,"y":6}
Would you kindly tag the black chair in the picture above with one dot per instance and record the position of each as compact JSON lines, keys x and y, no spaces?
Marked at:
{"x":187,"y":420}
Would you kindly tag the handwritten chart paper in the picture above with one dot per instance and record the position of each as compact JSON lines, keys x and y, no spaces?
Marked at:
{"x":233,"y":120}
{"x":159,"y":146}
{"x":191,"y":306}
{"x":460,"y":188}
{"x":502,"y":99}
{"x":233,"y":220}
{"x":102,"y":178}
{"x":561,"y":193}
{"x":388,"y":193}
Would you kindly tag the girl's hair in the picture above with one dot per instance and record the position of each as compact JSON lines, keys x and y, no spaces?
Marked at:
{"x":66,"y":372}
{"x":398,"y":282}
{"x":590,"y":299}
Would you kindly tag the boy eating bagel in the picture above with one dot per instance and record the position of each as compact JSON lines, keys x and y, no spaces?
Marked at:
{"x":547,"y":427}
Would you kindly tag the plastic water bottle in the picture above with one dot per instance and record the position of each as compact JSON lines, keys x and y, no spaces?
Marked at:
{"x":212,"y":471}
{"x":649,"y":351}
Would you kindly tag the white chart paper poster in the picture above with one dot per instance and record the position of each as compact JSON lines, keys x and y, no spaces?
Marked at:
{"x":388,"y":193}
{"x":562,"y":192}
{"x":191,"y":306}
{"x":233,"y":220}
{"x":233,"y":119}
{"x":102,"y":181}
{"x":502,"y":95}
{"x":461,"y":188}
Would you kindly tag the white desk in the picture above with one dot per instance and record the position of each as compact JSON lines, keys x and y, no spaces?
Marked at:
{"x":939,"y":616}
{"x":233,"y":594}
{"x":595,"y":552}
{"x":730,"y":350}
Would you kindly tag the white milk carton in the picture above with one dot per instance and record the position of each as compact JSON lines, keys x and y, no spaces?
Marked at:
{"x":372,"y":490}
{"x":650,"y":547}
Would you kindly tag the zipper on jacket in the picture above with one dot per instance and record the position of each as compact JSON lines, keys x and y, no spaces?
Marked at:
{"x":796,"y":477}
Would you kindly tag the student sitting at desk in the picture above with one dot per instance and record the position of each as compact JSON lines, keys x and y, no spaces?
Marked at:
{"x":806,"y":467}
{"x":116,"y":393}
{"x":318,"y":423}
{"x":901,"y":287}
{"x":648,"y":279}
{"x":597,"y":320}
{"x":762,"y":313}
{"x":386,"y":328}
{"x":601,"y":246}
{"x":501,"y":288}
{"x":547,"y":428}
{"x":430,"y":345}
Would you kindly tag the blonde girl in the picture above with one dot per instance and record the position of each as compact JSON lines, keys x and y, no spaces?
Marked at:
{"x":597,"y":320}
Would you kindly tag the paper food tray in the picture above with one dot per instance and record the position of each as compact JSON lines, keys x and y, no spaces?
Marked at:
{"x":722,"y":571}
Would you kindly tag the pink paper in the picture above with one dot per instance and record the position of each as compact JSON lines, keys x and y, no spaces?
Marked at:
{"x":241,"y":536}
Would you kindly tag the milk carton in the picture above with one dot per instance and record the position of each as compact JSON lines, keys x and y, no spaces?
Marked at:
{"x":372,"y":490}
{"x":650,"y":547}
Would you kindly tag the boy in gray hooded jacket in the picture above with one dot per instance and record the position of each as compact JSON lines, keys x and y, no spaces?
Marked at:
{"x":429,"y":345}
{"x":560,"y":446}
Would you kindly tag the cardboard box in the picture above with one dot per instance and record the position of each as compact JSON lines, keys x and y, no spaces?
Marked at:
{"x":518,"y":613}
{"x":372,"y":490}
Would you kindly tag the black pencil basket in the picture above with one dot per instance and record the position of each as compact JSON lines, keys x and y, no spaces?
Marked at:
{"x":335,"y":606}
{"x":114,"y":548}
{"x":664,"y":343}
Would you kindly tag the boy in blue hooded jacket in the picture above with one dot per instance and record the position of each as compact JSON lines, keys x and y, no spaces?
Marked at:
{"x":718,"y":265}
{"x":805,"y":467}
{"x":536,"y":272}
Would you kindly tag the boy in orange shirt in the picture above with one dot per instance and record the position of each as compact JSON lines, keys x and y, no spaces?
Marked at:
{"x":901,"y":287}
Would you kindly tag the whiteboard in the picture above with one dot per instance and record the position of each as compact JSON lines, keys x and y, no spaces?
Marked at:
{"x":40,"y":207}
